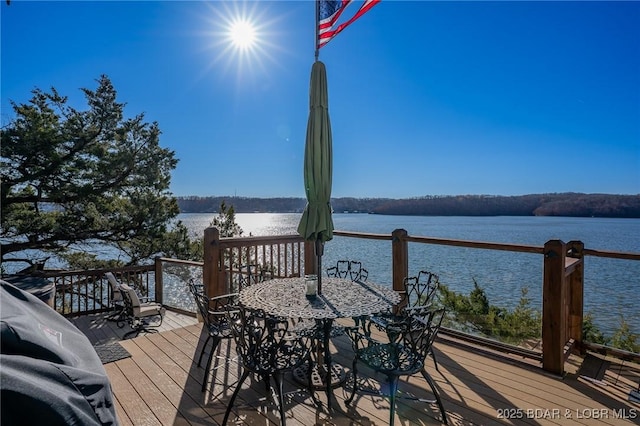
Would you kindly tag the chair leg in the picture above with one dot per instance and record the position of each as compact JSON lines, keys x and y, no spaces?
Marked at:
{"x":207,"y":369}
{"x":355,"y":382}
{"x":429,"y":380}
{"x":393,"y":389}
{"x":203,"y":348}
{"x":135,"y":332}
{"x":122,"y":314}
{"x":278,"y":378}
{"x":117,"y":315}
{"x":245,"y":374}
{"x":267,"y":383}
{"x":121,"y":321}
{"x":138,"y":326}
{"x":214,"y":346}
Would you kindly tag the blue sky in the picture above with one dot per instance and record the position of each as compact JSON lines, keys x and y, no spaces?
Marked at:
{"x":425,"y":98}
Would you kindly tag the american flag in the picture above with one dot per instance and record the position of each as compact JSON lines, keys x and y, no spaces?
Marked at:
{"x":330,"y":11}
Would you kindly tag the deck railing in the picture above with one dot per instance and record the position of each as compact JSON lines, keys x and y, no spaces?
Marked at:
{"x":87,"y":291}
{"x":231,"y":263}
{"x":563,"y":279}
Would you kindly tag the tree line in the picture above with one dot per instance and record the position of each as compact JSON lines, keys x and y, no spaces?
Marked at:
{"x":553,"y":204}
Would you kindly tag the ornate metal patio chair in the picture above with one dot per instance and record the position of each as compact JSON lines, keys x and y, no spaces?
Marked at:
{"x":115,"y":297}
{"x":141,"y":314}
{"x":357,"y":272}
{"x":252,"y":274}
{"x":423,"y":290}
{"x":268,"y":347}
{"x":411,"y":338}
{"x":340,"y":270}
{"x":351,"y":269}
{"x":213,"y":311}
{"x":420,"y":290}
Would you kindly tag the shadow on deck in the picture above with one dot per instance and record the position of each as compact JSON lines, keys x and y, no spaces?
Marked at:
{"x":160,"y":384}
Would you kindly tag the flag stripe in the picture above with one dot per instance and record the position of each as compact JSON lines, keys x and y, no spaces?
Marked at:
{"x":330,"y":11}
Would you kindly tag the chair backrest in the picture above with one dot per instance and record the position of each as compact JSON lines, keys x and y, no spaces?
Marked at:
{"x":421,"y":290}
{"x":351,"y":269}
{"x":417,"y":331}
{"x":357,"y":272}
{"x":254,"y":273}
{"x":116,"y":294}
{"x":201,"y":299}
{"x":214,"y":310}
{"x":131,"y":300}
{"x":267,"y":344}
{"x":340,"y":270}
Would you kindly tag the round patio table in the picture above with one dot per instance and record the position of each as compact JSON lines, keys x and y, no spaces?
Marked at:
{"x":340,"y":298}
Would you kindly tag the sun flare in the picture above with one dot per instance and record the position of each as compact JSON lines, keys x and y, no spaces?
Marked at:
{"x":242,"y":39}
{"x":242,"y":34}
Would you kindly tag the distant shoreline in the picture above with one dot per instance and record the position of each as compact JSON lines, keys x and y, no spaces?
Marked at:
{"x":556,"y":204}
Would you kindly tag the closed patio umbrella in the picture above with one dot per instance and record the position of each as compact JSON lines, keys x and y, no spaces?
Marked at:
{"x":316,"y":223}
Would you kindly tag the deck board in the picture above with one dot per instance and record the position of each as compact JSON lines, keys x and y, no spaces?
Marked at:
{"x":160,"y":384}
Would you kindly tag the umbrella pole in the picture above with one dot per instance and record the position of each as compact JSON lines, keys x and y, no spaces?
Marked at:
{"x":319,"y":253}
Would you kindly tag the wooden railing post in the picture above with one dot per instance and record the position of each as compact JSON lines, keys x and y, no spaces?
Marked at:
{"x":310,"y":258}
{"x":554,"y":314}
{"x":158,"y":281}
{"x":576,"y":293}
{"x":212,"y":274}
{"x":400,"y":258}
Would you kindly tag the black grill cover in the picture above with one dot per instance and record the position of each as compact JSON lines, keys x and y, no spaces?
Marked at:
{"x":50,"y":374}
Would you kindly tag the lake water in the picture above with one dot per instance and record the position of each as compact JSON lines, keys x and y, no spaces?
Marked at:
{"x":611,"y":285}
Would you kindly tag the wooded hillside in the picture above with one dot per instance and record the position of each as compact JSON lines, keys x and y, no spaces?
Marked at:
{"x":564,"y":204}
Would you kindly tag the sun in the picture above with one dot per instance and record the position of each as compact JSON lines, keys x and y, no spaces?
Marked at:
{"x":242,"y":34}
{"x":241,"y":38}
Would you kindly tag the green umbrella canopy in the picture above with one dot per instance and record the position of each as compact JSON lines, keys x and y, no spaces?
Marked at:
{"x":316,"y":223}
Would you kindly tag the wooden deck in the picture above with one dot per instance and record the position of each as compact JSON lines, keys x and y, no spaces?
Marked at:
{"x":160,"y":385}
